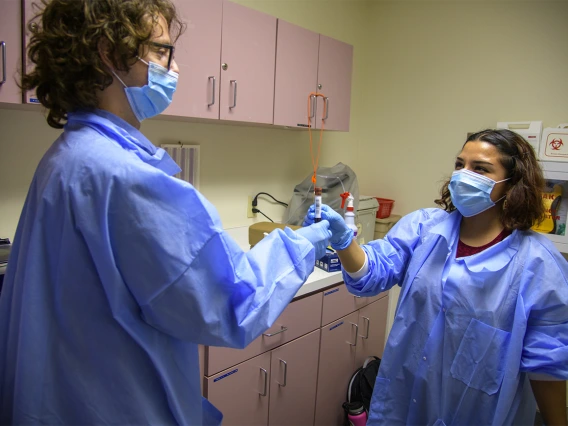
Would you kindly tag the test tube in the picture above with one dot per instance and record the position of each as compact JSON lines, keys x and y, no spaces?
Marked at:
{"x":317,"y":199}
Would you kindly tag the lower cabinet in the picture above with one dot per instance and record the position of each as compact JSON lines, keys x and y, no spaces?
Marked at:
{"x":294,"y":373}
{"x":337,"y":363}
{"x":275,"y":388}
{"x":304,"y":381}
{"x":372,"y":329}
{"x":241,"y":392}
{"x":345,"y":344}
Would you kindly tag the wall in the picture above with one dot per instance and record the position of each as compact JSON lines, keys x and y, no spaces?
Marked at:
{"x":236,"y":161}
{"x":436,"y":70}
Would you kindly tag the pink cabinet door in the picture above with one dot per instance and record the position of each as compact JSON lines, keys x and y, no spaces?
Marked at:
{"x":293,"y":380}
{"x":197,"y":56}
{"x":372,"y":329}
{"x":30,"y":10}
{"x":10,"y":50}
{"x":296,"y":74}
{"x":336,"y":365}
{"x":334,"y":75}
{"x":249,"y":52}
{"x":241,"y":392}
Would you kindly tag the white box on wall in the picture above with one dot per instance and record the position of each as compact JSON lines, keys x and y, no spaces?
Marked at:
{"x":554,"y":144}
{"x":530,"y":130}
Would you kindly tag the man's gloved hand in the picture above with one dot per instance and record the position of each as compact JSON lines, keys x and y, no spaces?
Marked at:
{"x":342,"y":235}
{"x":318,"y":234}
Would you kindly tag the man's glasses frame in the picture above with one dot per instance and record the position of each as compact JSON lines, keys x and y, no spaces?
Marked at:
{"x":165,"y":46}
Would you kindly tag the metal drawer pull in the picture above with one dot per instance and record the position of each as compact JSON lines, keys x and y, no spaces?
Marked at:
{"x":366,"y":336}
{"x":356,"y":333}
{"x":263,"y":393}
{"x":326,"y":108}
{"x":212,"y":92}
{"x":283,"y":329}
{"x":312,"y":106}
{"x":3,"y":45}
{"x":285,"y":373}
{"x":234,"y":94}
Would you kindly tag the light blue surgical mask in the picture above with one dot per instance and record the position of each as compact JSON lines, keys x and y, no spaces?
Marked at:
{"x":153,"y":98}
{"x":471,"y":192}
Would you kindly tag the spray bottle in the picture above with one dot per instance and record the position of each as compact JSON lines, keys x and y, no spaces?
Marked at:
{"x":349,"y":216}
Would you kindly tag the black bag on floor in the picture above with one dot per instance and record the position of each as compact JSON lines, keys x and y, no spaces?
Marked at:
{"x":360,"y":389}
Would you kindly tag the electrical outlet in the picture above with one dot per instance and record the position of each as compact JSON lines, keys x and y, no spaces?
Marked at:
{"x":250,"y":214}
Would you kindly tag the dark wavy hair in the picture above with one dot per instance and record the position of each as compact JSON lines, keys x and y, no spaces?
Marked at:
{"x":524,"y":205}
{"x":64,"y":48}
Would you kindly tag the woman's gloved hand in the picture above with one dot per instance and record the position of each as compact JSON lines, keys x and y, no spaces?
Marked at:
{"x":342,"y":235}
{"x":318,"y":234}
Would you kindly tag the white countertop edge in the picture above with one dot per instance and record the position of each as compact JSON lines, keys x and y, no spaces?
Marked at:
{"x":318,"y":280}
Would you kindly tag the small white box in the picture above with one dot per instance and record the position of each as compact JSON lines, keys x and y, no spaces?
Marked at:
{"x":530,"y":130}
{"x":554,"y":144}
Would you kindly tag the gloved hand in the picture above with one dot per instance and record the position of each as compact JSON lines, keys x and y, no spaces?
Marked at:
{"x":342,"y":234}
{"x":318,"y":234}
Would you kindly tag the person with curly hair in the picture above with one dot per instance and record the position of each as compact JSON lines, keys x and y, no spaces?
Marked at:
{"x":119,"y":270}
{"x":481,"y":323}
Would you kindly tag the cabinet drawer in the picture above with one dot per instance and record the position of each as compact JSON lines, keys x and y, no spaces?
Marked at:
{"x":338,"y":302}
{"x":299,"y":318}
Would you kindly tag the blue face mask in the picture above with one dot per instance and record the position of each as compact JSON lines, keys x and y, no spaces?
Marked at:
{"x":153,"y":98}
{"x":471,"y":192}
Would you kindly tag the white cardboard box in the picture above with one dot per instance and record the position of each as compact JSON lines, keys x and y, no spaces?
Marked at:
{"x":530,"y":130}
{"x":554,"y":144}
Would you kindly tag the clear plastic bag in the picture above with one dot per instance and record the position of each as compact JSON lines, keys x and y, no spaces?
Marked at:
{"x":334,"y":181}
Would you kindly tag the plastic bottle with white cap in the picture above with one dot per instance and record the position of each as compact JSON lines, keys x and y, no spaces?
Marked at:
{"x":349,"y":215}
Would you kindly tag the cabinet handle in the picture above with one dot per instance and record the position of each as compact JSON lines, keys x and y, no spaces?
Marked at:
{"x":312,"y":106}
{"x":263,"y":393}
{"x":212,"y":92}
{"x":3,"y":44}
{"x":356,"y":333}
{"x":285,"y":373}
{"x":234,"y":82}
{"x":366,"y":336}
{"x":282,"y":330}
{"x":326,"y":108}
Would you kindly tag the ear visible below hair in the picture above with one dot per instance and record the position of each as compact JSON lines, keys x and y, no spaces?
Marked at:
{"x":104,"y":52}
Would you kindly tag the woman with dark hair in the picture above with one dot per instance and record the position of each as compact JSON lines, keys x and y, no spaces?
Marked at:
{"x":482,"y":319}
{"x":118,"y":269}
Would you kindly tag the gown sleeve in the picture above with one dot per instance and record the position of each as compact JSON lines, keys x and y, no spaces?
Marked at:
{"x":388,"y":258}
{"x":545,"y":347}
{"x":190,"y":278}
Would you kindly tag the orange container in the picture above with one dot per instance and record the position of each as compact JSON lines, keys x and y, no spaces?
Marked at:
{"x":385,"y":207}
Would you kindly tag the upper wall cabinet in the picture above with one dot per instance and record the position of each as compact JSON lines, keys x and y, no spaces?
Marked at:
{"x":296,"y":75}
{"x":197,"y":56}
{"x":235,"y":64}
{"x":334,"y":81}
{"x":10,"y":51}
{"x":29,"y":12}
{"x":247,"y":65}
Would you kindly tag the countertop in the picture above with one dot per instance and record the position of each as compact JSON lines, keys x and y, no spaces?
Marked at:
{"x":318,"y":280}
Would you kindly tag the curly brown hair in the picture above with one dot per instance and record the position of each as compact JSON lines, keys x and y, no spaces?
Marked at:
{"x":524,"y":198}
{"x":65,"y":42}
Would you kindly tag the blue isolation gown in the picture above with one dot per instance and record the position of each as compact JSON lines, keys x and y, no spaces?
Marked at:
{"x":468,"y":332}
{"x":117,"y":272}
